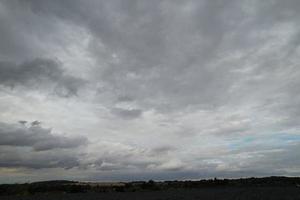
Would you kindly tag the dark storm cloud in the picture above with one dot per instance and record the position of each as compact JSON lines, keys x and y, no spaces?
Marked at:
{"x":37,"y":137}
{"x":38,"y":72}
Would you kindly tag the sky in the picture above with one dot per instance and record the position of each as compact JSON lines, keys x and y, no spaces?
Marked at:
{"x":124,"y":90}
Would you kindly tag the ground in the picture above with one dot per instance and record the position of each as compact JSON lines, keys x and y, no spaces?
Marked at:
{"x":224,"y":193}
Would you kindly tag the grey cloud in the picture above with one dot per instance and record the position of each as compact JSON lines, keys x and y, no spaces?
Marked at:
{"x":23,"y":122}
{"x":35,"y":123}
{"x":21,"y":157}
{"x":124,"y":98}
{"x":157,"y":52}
{"x":13,"y":43}
{"x":40,"y":139}
{"x":35,"y":147}
{"x":106,"y":166}
{"x":121,"y":157}
{"x":25,"y":35}
{"x":127,"y":113}
{"x":39,"y":72}
{"x":166,"y":62}
{"x":163,"y":149}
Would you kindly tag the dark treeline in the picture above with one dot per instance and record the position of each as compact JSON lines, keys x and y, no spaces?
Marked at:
{"x":62,"y":186}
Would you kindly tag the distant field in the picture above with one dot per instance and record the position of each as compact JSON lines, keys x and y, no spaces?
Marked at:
{"x":222,"y":193}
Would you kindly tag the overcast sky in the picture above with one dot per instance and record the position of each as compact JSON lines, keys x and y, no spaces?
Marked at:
{"x":140,"y":89}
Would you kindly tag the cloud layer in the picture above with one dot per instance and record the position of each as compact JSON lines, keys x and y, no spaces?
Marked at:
{"x":159,"y":89}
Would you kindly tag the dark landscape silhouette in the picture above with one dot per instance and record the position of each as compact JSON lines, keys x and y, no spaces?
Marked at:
{"x":243,"y":188}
